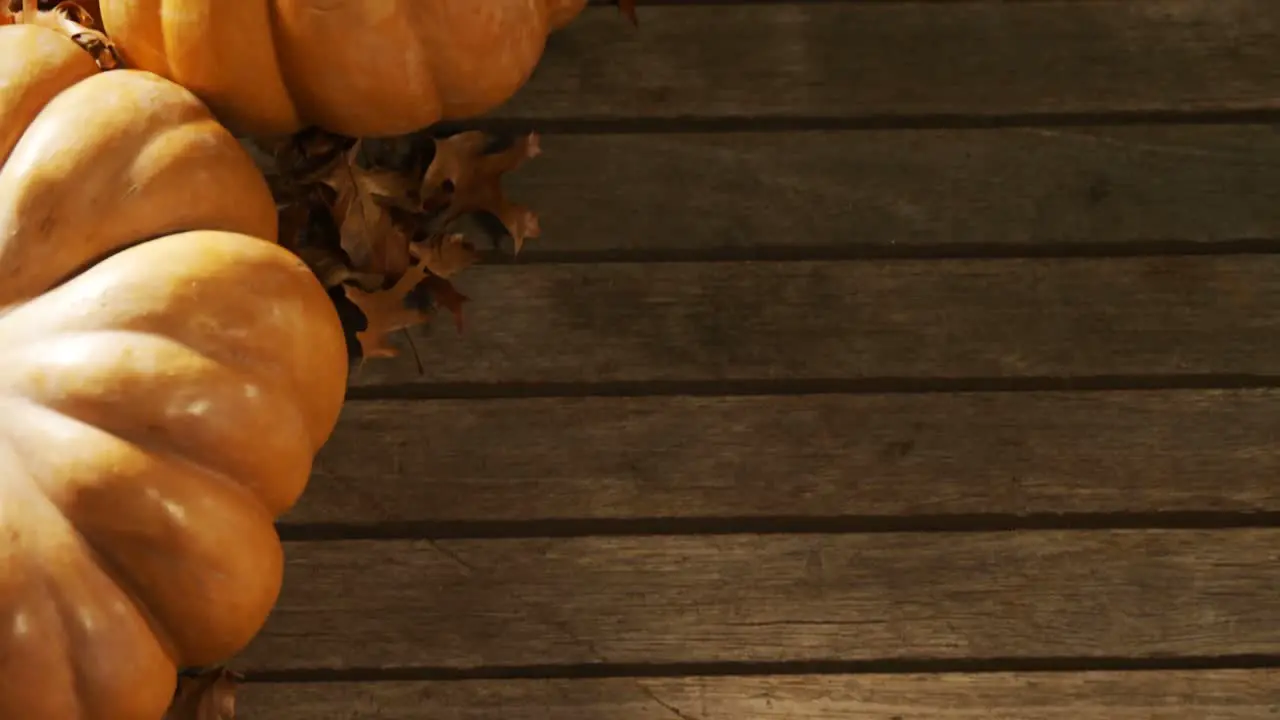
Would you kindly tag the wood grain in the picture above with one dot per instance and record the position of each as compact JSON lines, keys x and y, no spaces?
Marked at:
{"x":773,"y":598}
{"x":806,"y":456}
{"x":841,"y":60}
{"x":682,"y":322}
{"x":699,"y":194}
{"x":1213,"y":695}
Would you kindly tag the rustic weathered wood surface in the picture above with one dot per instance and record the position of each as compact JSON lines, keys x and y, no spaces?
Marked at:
{"x":878,"y":460}
{"x":849,"y":61}
{"x":879,"y":361}
{"x":843,"y":194}
{"x":710,"y":599}
{"x":688,"y":323}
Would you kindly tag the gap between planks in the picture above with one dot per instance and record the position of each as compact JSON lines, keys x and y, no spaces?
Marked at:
{"x":834,"y":252}
{"x":865,"y":123}
{"x":1172,"y":695}
{"x":1267,"y":666}
{"x":808,"y":525}
{"x":800,"y":387}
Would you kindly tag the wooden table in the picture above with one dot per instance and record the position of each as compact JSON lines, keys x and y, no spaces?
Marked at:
{"x":879,"y":361}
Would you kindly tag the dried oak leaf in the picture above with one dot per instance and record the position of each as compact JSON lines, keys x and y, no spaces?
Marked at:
{"x":444,"y":294}
{"x":208,"y":696}
{"x":445,"y":255}
{"x":306,"y":230}
{"x":292,"y":223}
{"x":369,"y":234}
{"x":463,"y":178}
{"x":394,"y":309}
{"x":388,"y":311}
{"x":331,"y":269}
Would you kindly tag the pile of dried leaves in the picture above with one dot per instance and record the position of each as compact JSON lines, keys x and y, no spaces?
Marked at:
{"x":211,"y":695}
{"x":377,"y":220}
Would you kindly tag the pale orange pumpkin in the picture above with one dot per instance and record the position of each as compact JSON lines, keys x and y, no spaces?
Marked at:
{"x":360,"y":68}
{"x":167,"y":373}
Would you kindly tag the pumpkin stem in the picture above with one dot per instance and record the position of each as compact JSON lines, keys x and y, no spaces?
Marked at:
{"x":76,"y":23}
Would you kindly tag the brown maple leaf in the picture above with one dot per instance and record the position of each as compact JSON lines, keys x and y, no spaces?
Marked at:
{"x":208,"y":696}
{"x":464,"y":178}
{"x":387,"y":311}
{"x":362,"y":209}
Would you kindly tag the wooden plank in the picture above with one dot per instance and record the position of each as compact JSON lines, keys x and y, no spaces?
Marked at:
{"x":681,"y":322}
{"x":1212,"y":695}
{"x":894,"y":191}
{"x":841,"y":60}
{"x":773,"y":598}
{"x":807,"y":456}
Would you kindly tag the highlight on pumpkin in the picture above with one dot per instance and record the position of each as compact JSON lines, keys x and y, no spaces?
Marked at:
{"x":372,"y":192}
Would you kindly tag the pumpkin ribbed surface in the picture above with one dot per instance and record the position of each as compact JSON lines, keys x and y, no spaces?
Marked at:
{"x":355,"y":67}
{"x":167,"y":373}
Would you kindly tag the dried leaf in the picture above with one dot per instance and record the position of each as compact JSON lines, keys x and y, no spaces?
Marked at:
{"x":298,"y":162}
{"x":444,"y":294}
{"x":445,"y":256}
{"x":307,"y":231}
{"x":388,"y":311}
{"x":332,"y":270}
{"x":293,"y":219}
{"x":364,"y":218}
{"x":370,"y":237}
{"x":208,"y":696}
{"x":463,"y":178}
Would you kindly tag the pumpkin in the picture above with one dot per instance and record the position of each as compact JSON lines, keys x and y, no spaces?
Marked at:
{"x":352,"y":67}
{"x":168,"y":373}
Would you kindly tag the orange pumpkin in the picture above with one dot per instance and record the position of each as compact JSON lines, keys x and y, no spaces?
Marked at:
{"x":168,"y":373}
{"x":354,"y":67}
